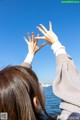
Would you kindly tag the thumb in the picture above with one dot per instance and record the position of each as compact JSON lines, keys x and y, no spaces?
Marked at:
{"x":40,"y":38}
{"x":42,"y":45}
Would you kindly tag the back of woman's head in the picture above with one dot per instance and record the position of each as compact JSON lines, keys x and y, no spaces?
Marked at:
{"x":18,"y":86}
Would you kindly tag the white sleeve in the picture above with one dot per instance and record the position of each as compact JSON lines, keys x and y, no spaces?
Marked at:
{"x":58,"y":48}
{"x":29,"y":58}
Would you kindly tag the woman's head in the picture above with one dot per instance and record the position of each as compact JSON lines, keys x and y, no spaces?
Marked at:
{"x":20,"y":94}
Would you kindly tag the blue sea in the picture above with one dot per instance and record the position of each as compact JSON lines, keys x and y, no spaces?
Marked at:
{"x":52,"y":102}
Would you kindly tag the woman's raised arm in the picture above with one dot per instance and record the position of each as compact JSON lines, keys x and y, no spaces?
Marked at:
{"x":33,"y":48}
{"x":67,"y":82}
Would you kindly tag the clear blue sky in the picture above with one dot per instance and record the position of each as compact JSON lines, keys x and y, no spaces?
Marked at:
{"x":17,"y":17}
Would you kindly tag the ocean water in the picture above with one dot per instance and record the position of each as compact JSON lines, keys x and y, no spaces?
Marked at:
{"x":52,"y":102}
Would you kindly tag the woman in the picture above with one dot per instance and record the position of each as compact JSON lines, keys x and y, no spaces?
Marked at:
{"x":21,"y":95}
{"x":67,"y":82}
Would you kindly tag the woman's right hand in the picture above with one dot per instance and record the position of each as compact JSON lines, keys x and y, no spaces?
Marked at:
{"x":33,"y":44}
{"x":49,"y":35}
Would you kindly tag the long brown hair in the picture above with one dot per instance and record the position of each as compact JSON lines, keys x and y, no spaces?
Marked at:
{"x":18,"y":86}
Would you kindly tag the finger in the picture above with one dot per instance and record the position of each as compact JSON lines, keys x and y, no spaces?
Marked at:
{"x":42,"y":45}
{"x":50,"y":26}
{"x":38,"y":35}
{"x":42,"y":31}
{"x":29,"y":37}
{"x":45,"y":30}
{"x":40,"y":38}
{"x":26,"y":40}
{"x":47,"y":42}
{"x":32,"y":37}
{"x":36,"y":40}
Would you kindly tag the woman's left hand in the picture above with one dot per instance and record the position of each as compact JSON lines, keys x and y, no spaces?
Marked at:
{"x":49,"y":35}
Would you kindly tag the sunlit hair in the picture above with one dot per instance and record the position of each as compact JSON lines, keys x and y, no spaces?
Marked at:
{"x":18,"y":86}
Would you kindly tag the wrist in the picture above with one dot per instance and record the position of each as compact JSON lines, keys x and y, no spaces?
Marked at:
{"x":58,"y":48}
{"x":29,"y":58}
{"x":31,"y":53}
{"x":53,"y":42}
